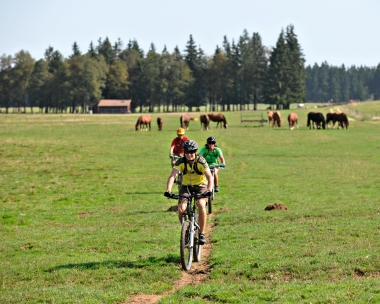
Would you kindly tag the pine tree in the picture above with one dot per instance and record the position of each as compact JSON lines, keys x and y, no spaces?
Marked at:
{"x":196,"y":61}
{"x":105,"y":49}
{"x":92,"y":52}
{"x":277,"y":90}
{"x":76,"y":51}
{"x":297,"y":75}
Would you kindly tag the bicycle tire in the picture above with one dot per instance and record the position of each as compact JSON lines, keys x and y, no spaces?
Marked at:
{"x":186,"y":251}
{"x":209,"y":202}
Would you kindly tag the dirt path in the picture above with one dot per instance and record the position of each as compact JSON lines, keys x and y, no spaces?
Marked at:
{"x":197,"y":275}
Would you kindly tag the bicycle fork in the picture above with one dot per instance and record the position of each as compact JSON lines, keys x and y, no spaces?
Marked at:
{"x":193,"y":227}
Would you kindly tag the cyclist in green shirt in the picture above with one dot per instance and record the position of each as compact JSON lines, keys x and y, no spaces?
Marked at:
{"x":211,"y":152}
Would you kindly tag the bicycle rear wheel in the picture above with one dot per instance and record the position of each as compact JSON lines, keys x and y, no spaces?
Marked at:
{"x":186,"y":251}
{"x":209,"y":202}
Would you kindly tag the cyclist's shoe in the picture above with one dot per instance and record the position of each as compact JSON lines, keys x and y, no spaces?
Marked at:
{"x":202,"y":239}
{"x":216,"y":189}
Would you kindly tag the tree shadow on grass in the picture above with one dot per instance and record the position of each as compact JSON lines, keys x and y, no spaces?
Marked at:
{"x":151,"y":261}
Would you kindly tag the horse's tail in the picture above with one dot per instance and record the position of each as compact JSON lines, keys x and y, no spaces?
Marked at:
{"x":181,"y":121}
{"x":308,"y":120}
{"x":346,"y":120}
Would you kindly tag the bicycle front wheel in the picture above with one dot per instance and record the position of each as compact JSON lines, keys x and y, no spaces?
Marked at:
{"x":185,"y":249}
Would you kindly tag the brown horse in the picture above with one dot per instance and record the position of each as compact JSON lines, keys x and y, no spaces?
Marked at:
{"x":293,"y":120}
{"x":159,"y":123}
{"x":218,"y":118}
{"x":143,"y":122}
{"x":205,"y":121}
{"x":270,"y":116}
{"x":276,"y":119}
{"x":184,"y":121}
{"x":341,"y":118}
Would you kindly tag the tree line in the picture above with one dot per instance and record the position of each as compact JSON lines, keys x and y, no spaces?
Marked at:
{"x":239,"y":75}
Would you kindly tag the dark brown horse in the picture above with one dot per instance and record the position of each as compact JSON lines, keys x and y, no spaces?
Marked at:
{"x":143,"y":122}
{"x":317,"y":118}
{"x":293,"y":120}
{"x":341,"y":118}
{"x":276,"y":119}
{"x":218,"y":118}
{"x":159,"y":123}
{"x":184,"y":121}
{"x":205,"y":121}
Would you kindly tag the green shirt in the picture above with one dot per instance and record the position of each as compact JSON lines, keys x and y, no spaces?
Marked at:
{"x":211,"y":156}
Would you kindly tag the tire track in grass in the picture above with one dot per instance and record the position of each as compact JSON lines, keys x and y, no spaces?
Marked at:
{"x":197,"y":275}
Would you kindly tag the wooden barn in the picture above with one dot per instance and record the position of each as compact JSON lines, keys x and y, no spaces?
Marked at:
{"x":114,"y":106}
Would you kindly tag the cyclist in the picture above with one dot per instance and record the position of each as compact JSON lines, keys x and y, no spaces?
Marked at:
{"x":196,"y":178}
{"x":176,"y":146}
{"x":211,"y":152}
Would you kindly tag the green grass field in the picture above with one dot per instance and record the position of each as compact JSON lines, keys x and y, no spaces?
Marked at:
{"x":83,"y":216}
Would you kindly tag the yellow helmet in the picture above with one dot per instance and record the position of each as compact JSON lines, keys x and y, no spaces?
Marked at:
{"x":180,"y":131}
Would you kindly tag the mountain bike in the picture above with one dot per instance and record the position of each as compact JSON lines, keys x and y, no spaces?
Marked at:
{"x":190,"y":249}
{"x":179,"y":177}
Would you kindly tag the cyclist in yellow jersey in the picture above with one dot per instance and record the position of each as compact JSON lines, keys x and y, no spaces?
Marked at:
{"x":196,"y":178}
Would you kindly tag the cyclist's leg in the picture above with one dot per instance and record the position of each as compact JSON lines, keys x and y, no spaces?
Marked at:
{"x":216,"y":177}
{"x":202,"y":211}
{"x":202,"y":214}
{"x":182,"y":203}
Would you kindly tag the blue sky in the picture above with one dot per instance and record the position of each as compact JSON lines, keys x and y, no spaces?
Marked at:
{"x":336,"y":31}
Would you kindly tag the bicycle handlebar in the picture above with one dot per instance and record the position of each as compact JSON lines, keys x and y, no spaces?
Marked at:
{"x":217,"y":166}
{"x":196,"y":196}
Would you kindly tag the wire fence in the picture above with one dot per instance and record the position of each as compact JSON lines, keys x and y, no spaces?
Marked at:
{"x":356,"y":113}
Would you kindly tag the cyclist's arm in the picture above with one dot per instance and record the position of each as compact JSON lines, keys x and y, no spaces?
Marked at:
{"x":209,"y":179}
{"x":223,"y":161}
{"x":171,"y":149}
{"x":171,"y":178}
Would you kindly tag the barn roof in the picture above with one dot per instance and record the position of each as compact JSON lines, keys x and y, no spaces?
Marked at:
{"x":114,"y":103}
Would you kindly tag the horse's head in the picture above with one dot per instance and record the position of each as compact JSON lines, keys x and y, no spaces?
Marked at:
{"x":138,"y":123}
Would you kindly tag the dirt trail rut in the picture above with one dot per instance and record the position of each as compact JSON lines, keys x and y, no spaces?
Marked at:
{"x":197,"y":275}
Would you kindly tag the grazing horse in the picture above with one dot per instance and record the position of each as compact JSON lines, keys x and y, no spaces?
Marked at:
{"x":159,"y":123}
{"x":143,"y":122}
{"x":184,"y":121}
{"x":293,"y":120}
{"x":341,"y":118}
{"x":317,"y":118}
{"x":270,"y":116}
{"x":218,"y":118}
{"x":276,"y":119}
{"x":205,"y":121}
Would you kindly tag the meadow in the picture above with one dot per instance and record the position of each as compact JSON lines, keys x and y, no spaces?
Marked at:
{"x":83,"y":216}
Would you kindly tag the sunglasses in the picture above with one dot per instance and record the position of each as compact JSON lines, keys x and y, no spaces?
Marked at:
{"x":211,"y":143}
{"x":190,"y":152}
